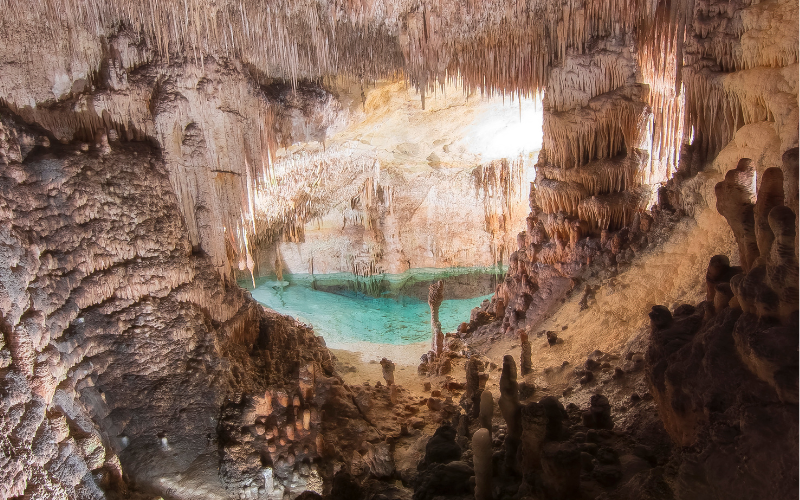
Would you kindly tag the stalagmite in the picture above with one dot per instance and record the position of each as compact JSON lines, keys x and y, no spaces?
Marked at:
{"x":526,"y":365}
{"x":510,"y":409}
{"x":387,"y":367}
{"x":487,"y":410}
{"x":782,"y":268}
{"x":534,"y":430}
{"x":472,"y":393}
{"x":482,"y":458}
{"x":561,"y":464}
{"x":269,"y":484}
{"x":435,"y":298}
{"x":789,"y":165}
{"x":735,"y":196}
{"x":770,"y":195}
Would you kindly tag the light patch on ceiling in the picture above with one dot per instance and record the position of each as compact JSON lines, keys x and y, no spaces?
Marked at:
{"x":455,"y":130}
{"x":505,"y":129}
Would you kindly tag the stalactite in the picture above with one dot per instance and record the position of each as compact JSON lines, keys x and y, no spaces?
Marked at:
{"x":556,"y":196}
{"x":611,"y":212}
{"x":557,"y":224}
{"x":610,"y":126}
{"x":600,"y":176}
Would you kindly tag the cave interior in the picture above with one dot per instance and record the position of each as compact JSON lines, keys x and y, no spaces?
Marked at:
{"x":399,"y":249}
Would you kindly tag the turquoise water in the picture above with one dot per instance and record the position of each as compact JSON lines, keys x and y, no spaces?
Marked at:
{"x":385,"y":309}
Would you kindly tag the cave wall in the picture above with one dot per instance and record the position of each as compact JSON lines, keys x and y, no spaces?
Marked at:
{"x":125,"y":352}
{"x":416,"y":218}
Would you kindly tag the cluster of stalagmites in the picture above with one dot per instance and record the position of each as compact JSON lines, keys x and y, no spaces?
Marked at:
{"x":743,"y":336}
{"x":512,"y":446}
{"x":539,"y":450}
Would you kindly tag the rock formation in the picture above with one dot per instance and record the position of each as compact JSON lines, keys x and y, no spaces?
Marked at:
{"x":525,"y":363}
{"x":487,"y":410}
{"x":472,"y":394}
{"x":482,"y":456}
{"x":104,"y":317}
{"x":435,"y":298}
{"x":534,"y":430}
{"x":748,"y":332}
{"x":510,"y":409}
{"x":561,"y":463}
{"x":387,"y":367}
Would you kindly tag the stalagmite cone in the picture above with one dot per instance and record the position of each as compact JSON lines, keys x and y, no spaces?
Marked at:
{"x":487,"y":409}
{"x":534,"y":429}
{"x":388,"y":368}
{"x":526,"y":363}
{"x":482,"y":458}
{"x":770,"y":195}
{"x":435,"y":298}
{"x":268,"y":402}
{"x":283,"y":398}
